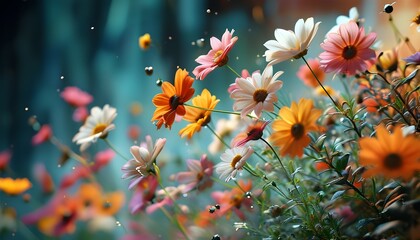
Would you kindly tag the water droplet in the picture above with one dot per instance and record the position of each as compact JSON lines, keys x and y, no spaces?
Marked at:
{"x":252,"y":206}
{"x":26,"y":109}
{"x":217,"y":206}
{"x":170,"y":37}
{"x":216,"y":237}
{"x":73,"y":168}
{"x":212,"y":209}
{"x":58,"y":90}
{"x":118,"y":223}
{"x":59,"y":165}
{"x":148,"y":70}
{"x":215,"y":13}
{"x":193,"y":43}
{"x":200,"y":42}
{"x":185,"y":195}
{"x":62,"y":77}
{"x":237,"y":58}
{"x":13,"y":234}
{"x":159,"y":82}
{"x":91,"y":28}
{"x":248,"y":194}
{"x":258,"y":55}
{"x":208,"y":10}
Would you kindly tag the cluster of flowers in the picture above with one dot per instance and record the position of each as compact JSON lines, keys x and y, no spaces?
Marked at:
{"x":345,"y":166}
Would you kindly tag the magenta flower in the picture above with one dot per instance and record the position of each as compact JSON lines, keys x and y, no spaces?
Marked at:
{"x":102,"y":159}
{"x":43,"y":135}
{"x":199,"y":176}
{"x":217,"y":56}
{"x":347,"y":50}
{"x":5,"y":159}
{"x":143,"y":194}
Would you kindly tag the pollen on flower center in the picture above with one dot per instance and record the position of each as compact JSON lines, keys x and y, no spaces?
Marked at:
{"x":349,"y":52}
{"x":393,"y":161}
{"x":235,"y":160}
{"x":297,"y":130}
{"x":260,"y":95}
{"x":220,"y":62}
{"x":174,"y":102}
{"x":99,"y":128}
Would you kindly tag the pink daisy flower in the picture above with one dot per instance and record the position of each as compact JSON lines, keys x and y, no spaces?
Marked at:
{"x":199,"y":174}
{"x":347,"y":50}
{"x":256,"y":93}
{"x":217,"y":56}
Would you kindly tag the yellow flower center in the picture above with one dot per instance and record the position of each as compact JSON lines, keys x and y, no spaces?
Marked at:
{"x":218,"y":61}
{"x":349,"y":52}
{"x":235,"y":160}
{"x":99,"y":128}
{"x":297,"y":130}
{"x":260,"y":95}
{"x":393,"y":161}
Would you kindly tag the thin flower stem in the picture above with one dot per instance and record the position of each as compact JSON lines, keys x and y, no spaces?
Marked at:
{"x":334,"y":102}
{"x":218,"y":137}
{"x":176,"y":222}
{"x":278,"y":158}
{"x":114,"y":149}
{"x":233,"y":70}
{"x":320,"y":84}
{"x":399,"y":36}
{"x":212,"y":110}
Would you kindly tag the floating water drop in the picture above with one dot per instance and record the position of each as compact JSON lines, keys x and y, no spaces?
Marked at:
{"x":58,"y":90}
{"x":193,"y":43}
{"x":215,"y":13}
{"x":148,"y":70}
{"x":208,"y":10}
{"x":200,"y":42}
{"x":59,"y":165}
{"x":248,"y":194}
{"x":91,"y":28}
{"x":159,"y":82}
{"x":26,"y":109}
{"x":237,"y":58}
{"x":170,"y":37}
{"x":118,"y":223}
{"x":62,"y":77}
{"x":216,"y":237}
{"x":73,"y":168}
{"x":185,"y":195}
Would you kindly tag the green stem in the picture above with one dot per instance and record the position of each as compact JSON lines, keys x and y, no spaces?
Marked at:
{"x":233,"y":70}
{"x":212,"y":110}
{"x":176,"y":222}
{"x":278,"y":158}
{"x":114,"y":149}
{"x":399,"y":36}
{"x":217,"y":135}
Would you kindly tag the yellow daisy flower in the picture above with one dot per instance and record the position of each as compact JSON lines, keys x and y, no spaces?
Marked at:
{"x":290,"y":132}
{"x":14,"y":186}
{"x":390,"y":155}
{"x":199,"y":117}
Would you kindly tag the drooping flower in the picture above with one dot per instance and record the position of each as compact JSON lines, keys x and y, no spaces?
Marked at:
{"x":171,"y":101}
{"x":198,"y":117}
{"x":347,"y":50}
{"x":145,"y":41}
{"x":387,"y":60}
{"x":353,"y":16}
{"x":290,"y":132}
{"x":289,"y":44}
{"x":252,"y":133}
{"x":97,"y":125}
{"x":142,"y":163}
{"x":43,"y":135}
{"x":256,"y":93}
{"x":232,"y":161}
{"x":143,"y":195}
{"x":76,"y":97}
{"x":305,"y":74}
{"x":199,"y":174}
{"x":217,"y":56}
{"x":391,"y":155}
{"x":14,"y":186}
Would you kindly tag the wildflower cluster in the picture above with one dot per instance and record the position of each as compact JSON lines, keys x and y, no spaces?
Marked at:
{"x":328,"y":166}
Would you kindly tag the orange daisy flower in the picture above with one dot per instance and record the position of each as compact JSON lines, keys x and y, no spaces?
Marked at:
{"x":290,"y":132}
{"x":171,"y":101}
{"x":199,"y":117}
{"x":391,"y":155}
{"x":14,"y":186}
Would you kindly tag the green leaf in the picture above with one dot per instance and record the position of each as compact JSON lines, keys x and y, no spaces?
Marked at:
{"x":337,"y":194}
{"x":341,"y":163}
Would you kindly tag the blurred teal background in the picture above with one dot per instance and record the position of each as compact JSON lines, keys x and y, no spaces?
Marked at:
{"x":47,"y":45}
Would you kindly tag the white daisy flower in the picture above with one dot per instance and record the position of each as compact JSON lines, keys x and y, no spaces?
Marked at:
{"x":142,"y":163}
{"x":353,"y":16}
{"x":256,"y":93}
{"x":97,"y":125}
{"x":232,"y":161}
{"x":289,"y":44}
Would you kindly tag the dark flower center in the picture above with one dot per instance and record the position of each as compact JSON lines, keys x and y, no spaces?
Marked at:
{"x":235,"y":160}
{"x":206,"y":119}
{"x":174,"y":102}
{"x":255,"y":134}
{"x":416,"y":19}
{"x":220,"y":61}
{"x":393,"y":161}
{"x":297,"y":130}
{"x":260,"y":95}
{"x":349,"y":52}
{"x":106,"y":205}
